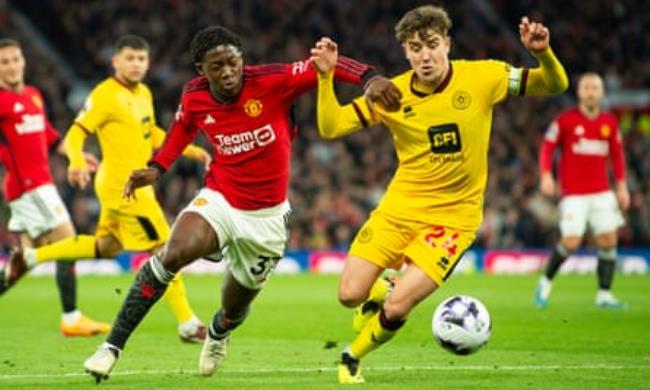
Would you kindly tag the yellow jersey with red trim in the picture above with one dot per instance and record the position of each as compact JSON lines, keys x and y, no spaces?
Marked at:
{"x":124,"y":121}
{"x":441,"y":139}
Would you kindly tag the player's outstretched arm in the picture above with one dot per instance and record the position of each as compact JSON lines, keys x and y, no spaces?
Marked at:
{"x":549,"y":78}
{"x":192,"y":152}
{"x":81,"y":165}
{"x":334,"y":120}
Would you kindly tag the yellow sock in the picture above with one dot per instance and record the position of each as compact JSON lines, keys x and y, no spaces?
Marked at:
{"x":370,"y":338}
{"x":177,"y":300}
{"x":71,"y":248}
{"x":378,"y":290}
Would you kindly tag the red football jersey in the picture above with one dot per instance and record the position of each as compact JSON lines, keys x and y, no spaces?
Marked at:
{"x":25,"y":137}
{"x":250,"y":136}
{"x":586,"y":145}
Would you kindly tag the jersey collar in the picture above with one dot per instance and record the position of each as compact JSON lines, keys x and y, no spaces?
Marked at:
{"x":131,"y":89}
{"x":441,"y":87}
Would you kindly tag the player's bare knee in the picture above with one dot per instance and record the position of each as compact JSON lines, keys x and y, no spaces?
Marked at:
{"x":107,"y":247}
{"x":174,"y":258}
{"x":397,"y":309}
{"x":571,"y":244}
{"x":350,"y":297}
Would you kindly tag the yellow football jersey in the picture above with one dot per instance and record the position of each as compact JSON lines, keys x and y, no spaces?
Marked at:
{"x":441,"y":139}
{"x":124,"y":122}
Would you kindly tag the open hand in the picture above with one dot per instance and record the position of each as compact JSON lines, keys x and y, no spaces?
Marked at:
{"x":139,"y":178}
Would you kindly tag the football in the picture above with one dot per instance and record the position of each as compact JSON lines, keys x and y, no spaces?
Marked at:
{"x":461,"y":324}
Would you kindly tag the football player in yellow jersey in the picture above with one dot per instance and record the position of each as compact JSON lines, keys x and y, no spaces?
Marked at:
{"x":433,"y":205}
{"x":120,"y":112}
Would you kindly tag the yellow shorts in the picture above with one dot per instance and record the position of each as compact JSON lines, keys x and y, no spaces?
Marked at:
{"x":389,"y":242}
{"x":139,"y":225}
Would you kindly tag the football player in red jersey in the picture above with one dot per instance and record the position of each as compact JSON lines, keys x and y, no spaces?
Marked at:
{"x":588,"y":138}
{"x":242,"y":211}
{"x":37,"y":211}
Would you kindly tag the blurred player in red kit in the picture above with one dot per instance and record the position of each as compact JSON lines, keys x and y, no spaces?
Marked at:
{"x":37,"y":212}
{"x":588,"y":139}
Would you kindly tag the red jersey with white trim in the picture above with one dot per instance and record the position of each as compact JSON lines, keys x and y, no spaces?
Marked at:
{"x":25,"y":136}
{"x":586,"y":145}
{"x":251,"y":135}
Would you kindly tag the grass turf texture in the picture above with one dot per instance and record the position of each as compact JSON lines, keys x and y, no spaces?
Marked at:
{"x":288,"y":341}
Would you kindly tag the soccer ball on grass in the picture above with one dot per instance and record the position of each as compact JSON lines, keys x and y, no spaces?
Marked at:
{"x":461,"y":324}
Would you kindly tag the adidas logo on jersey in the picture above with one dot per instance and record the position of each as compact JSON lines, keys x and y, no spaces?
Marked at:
{"x":18,"y":107}
{"x":209,"y":120}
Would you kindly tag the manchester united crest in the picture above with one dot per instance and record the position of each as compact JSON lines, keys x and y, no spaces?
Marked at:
{"x":605,"y":131}
{"x":253,"y":108}
{"x":37,"y":101}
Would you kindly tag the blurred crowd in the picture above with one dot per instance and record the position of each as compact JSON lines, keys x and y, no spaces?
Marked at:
{"x":335,"y":184}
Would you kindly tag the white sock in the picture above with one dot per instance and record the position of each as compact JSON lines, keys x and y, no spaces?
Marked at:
{"x":71,"y":317}
{"x":190,"y":325}
{"x":604,"y":295}
{"x":30,"y":257}
{"x":545,"y":287}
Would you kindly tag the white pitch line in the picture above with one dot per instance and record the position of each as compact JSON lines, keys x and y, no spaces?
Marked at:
{"x":244,"y":370}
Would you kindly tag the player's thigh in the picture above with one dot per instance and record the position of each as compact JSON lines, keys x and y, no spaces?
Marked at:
{"x":604,"y":215}
{"x":437,"y":250}
{"x":38,"y":212}
{"x":409,"y":290}
{"x":142,"y":225}
{"x":62,"y":231}
{"x":573,"y":215}
{"x":192,"y":237}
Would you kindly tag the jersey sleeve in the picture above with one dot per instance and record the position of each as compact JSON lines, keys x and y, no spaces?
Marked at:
{"x":181,"y":133}
{"x":501,"y":79}
{"x":94,"y":112}
{"x":52,"y":135}
{"x":301,"y":76}
{"x":551,"y":139}
{"x":335,"y":120}
{"x":617,"y":155}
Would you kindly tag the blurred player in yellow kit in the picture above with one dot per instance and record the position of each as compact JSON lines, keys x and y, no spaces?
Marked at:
{"x":434,"y":204}
{"x":120,"y":112}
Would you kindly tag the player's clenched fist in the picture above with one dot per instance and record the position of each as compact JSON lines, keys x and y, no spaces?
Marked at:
{"x":140,"y":178}
{"x":324,"y":55}
{"x":535,"y":36}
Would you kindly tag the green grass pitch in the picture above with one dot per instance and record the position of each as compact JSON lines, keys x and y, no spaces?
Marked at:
{"x":572,"y":344}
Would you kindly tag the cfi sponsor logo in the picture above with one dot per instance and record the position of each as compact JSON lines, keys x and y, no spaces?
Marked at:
{"x":199,"y":202}
{"x":253,"y":108}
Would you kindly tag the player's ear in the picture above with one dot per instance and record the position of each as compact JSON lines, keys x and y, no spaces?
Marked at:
{"x":199,"y":68}
{"x":447,"y":42}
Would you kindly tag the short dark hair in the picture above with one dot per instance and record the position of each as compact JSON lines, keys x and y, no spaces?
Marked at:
{"x":421,"y":19}
{"x":8,"y":42}
{"x":133,"y":41}
{"x":209,"y":38}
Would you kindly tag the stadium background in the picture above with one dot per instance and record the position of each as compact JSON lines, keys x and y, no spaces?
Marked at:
{"x":334,"y":184}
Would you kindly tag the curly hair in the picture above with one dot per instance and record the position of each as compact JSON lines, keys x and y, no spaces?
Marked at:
{"x":420,"y":20}
{"x":209,"y":38}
